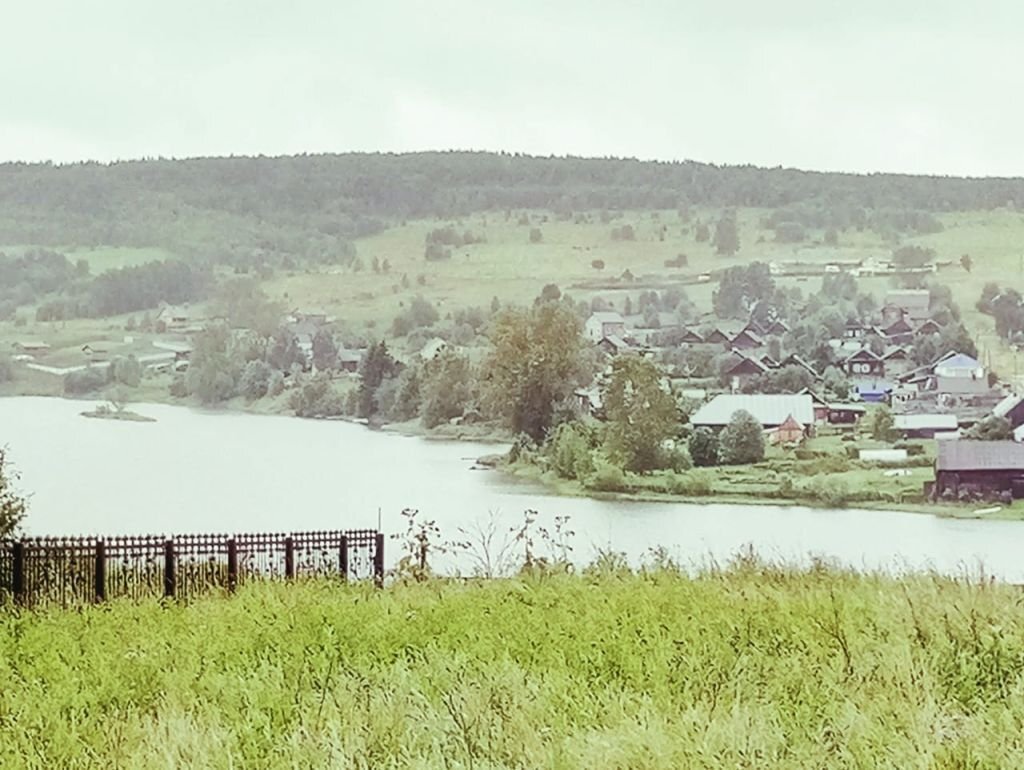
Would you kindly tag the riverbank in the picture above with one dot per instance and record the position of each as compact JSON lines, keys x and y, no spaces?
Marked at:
{"x":754,"y":486}
{"x":606,"y":669}
{"x":104,"y":412}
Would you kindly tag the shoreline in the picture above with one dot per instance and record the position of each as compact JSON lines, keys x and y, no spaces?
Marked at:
{"x":560,"y":487}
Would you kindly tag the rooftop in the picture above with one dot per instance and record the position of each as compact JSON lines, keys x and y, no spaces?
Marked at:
{"x":769,"y":410}
{"x":925,"y":422}
{"x":966,"y":455}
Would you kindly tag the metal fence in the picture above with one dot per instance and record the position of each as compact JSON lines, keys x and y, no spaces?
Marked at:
{"x":76,"y":570}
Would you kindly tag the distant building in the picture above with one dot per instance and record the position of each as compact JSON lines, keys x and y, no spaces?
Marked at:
{"x":924,"y":425}
{"x":31,"y":348}
{"x":741,"y":370}
{"x":1012,"y":409}
{"x":960,"y":374}
{"x":845,"y":414}
{"x":746,"y":340}
{"x":980,"y":467}
{"x":173,"y":317}
{"x":614,"y":345}
{"x":790,"y":432}
{"x":349,"y":360}
{"x":863,"y":363}
{"x":910,"y":303}
{"x":604,"y":324}
{"x":433,"y":348}
{"x":769,"y":410}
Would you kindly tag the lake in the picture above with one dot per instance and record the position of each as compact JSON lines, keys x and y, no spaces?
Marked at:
{"x":198,"y":471}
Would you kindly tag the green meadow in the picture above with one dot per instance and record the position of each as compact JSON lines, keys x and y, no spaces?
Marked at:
{"x":749,"y":666}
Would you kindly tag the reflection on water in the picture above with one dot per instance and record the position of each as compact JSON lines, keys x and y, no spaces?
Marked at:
{"x":194,"y":471}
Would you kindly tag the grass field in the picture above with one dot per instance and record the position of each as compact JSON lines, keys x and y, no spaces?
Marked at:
{"x":754,"y":667}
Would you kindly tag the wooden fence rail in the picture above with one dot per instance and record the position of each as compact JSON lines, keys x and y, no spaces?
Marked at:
{"x":78,"y":570}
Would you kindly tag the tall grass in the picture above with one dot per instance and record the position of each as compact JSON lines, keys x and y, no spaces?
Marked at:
{"x":752,"y":666}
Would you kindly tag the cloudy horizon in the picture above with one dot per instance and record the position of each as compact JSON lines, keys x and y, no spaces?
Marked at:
{"x":924,"y":88}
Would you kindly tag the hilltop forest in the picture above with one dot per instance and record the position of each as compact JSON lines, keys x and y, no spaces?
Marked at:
{"x":247,"y":212}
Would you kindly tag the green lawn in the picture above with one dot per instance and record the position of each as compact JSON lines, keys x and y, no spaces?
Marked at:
{"x":756,"y":667}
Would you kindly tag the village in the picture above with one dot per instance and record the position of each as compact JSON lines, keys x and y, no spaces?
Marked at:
{"x":951,"y":409}
{"x":818,"y":391}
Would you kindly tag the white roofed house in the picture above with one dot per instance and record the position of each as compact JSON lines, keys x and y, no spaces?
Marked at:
{"x":173,"y":317}
{"x":772,"y":411}
{"x":604,"y":325}
{"x":960,"y":374}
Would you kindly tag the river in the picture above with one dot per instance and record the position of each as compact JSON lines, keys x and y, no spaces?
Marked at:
{"x":197,"y":471}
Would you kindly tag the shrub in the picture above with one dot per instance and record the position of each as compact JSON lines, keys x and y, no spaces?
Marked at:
{"x":85,"y":380}
{"x":597,"y":264}
{"x":677,"y":458}
{"x":689,"y":484}
{"x":569,"y":452}
{"x":536,"y":236}
{"x":606,"y":477}
{"x":830,"y":492}
{"x":704,"y":448}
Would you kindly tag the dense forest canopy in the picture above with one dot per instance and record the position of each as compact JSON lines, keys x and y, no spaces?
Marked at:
{"x":270,"y":202}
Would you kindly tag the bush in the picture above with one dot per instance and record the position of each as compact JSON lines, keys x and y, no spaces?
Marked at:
{"x":830,"y":492}
{"x":597,"y":264}
{"x":704,"y":447}
{"x":569,"y":452}
{"x":690,"y":484}
{"x":536,"y":236}
{"x":85,"y":380}
{"x":606,"y":478}
{"x":677,"y":458}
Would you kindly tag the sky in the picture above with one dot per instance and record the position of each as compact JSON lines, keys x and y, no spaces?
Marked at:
{"x":931,"y":87}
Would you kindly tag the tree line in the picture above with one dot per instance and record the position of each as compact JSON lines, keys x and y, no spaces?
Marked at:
{"x":250,"y":211}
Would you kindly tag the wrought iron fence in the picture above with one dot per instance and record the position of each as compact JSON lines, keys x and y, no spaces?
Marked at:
{"x":77,"y":570}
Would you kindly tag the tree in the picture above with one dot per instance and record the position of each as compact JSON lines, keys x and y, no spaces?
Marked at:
{"x":727,"y":235}
{"x":6,"y":368}
{"x":325,"y":351}
{"x":913,"y":256}
{"x":211,"y":372}
{"x":705,"y":449}
{"x":701,"y":232}
{"x":742,"y":439}
{"x":881,"y":424}
{"x":12,"y":505}
{"x":284,"y":351}
{"x":447,"y":388}
{"x":550,"y":293}
{"x":536,"y":236}
{"x":537,"y":359}
{"x":376,"y":366}
{"x":837,"y":383}
{"x":992,"y":428}
{"x":254,"y":383}
{"x":641,"y":414}
{"x":839,"y":286}
{"x":741,"y":288}
{"x":127,"y":371}
{"x":966,"y":262}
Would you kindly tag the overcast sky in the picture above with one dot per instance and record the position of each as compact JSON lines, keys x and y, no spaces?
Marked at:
{"x":873,"y":85}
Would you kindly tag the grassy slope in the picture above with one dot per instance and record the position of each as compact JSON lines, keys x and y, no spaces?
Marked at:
{"x":753,"y":668}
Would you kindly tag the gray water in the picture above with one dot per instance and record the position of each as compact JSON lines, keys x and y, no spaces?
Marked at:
{"x":195,"y":471}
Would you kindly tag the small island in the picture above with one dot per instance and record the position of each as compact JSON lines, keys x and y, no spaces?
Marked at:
{"x":115,"y":411}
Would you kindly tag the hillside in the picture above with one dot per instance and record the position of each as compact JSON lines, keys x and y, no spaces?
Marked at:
{"x":309,"y":206}
{"x":752,"y":667}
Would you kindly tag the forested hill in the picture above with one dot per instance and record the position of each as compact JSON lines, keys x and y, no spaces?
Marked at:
{"x":312,"y":205}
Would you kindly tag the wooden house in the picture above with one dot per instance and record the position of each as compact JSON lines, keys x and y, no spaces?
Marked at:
{"x":746,"y":340}
{"x":790,"y":432}
{"x":717,"y":337}
{"x":863,"y":363}
{"x":979,"y":467}
{"x":604,"y":324}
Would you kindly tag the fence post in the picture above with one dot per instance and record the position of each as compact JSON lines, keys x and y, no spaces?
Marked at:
{"x":232,"y":564}
{"x":289,"y":558}
{"x":378,"y":560}
{"x":343,"y":557}
{"x":170,"y":576}
{"x":18,"y":572}
{"x":100,"y":571}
